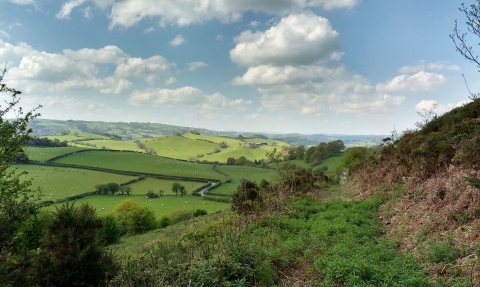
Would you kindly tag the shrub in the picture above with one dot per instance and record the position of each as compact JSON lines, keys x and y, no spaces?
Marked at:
{"x":247,"y":197}
{"x":164,"y":221}
{"x":133,"y":218}
{"x":110,"y":232}
{"x":199,"y":212}
{"x":151,"y":194}
{"x":180,"y":215}
{"x":70,"y":254}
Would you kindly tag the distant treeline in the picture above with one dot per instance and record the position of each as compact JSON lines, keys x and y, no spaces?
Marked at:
{"x":46,"y":142}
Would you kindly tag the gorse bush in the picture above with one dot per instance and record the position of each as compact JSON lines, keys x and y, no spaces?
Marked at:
{"x":133,"y":218}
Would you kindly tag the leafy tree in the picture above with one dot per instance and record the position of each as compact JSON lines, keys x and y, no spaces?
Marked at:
{"x":230,"y":161}
{"x":70,"y":254}
{"x":176,"y":188}
{"x":17,"y":200}
{"x":300,"y":152}
{"x":125,"y":189}
{"x":133,"y":218}
{"x":354,"y":155}
{"x":110,"y":232}
{"x":113,"y":187}
{"x":309,"y":153}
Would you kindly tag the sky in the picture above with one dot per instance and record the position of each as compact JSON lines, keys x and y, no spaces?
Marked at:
{"x":278,"y":66}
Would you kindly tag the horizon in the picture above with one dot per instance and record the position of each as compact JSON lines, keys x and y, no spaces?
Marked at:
{"x":315,"y":67}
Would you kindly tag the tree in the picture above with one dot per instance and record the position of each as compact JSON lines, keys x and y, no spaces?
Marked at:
{"x":113,"y":187}
{"x":459,"y":39}
{"x":70,"y":254}
{"x":125,"y":189}
{"x":17,"y":200}
{"x":309,"y":153}
{"x":177,"y":187}
{"x":300,"y":152}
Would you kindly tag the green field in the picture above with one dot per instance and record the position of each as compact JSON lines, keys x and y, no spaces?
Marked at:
{"x":179,"y":147}
{"x":236,"y":173}
{"x":104,"y":204}
{"x":72,"y":137}
{"x":111,"y":144}
{"x":138,"y":162}
{"x":60,"y":182}
{"x":46,"y":153}
{"x":156,"y":184}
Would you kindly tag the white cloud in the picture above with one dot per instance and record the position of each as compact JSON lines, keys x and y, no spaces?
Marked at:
{"x":4,"y":34}
{"x":148,"y":69}
{"x":126,"y":13}
{"x":149,"y":30}
{"x":315,"y":90}
{"x":219,"y":38}
{"x":170,"y":81}
{"x":105,"y":55}
{"x":87,"y":12}
{"x":254,"y":23}
{"x":185,"y":97}
{"x":78,"y":70}
{"x":67,"y":8}
{"x":297,"y":40}
{"x":437,"y":66}
{"x":178,"y":40}
{"x":437,"y":107}
{"x":195,"y":65}
{"x":421,"y":81}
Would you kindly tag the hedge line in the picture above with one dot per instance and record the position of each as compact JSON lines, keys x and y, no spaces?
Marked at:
{"x":226,"y":200}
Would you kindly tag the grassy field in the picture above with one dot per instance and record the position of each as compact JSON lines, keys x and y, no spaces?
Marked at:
{"x":104,"y":204}
{"x":332,"y":162}
{"x":46,"y":153}
{"x":72,"y":137}
{"x":236,"y":173}
{"x":111,"y":144}
{"x":179,"y":147}
{"x":137,"y":162}
{"x":156,"y":184}
{"x":59,"y":182}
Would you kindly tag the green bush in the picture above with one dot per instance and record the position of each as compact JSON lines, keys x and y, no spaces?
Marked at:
{"x":164,"y":221}
{"x":180,"y":215}
{"x":110,"y":232}
{"x":199,"y":212}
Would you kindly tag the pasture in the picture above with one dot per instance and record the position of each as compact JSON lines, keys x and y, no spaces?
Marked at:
{"x":156,"y":184}
{"x":72,"y":137}
{"x":104,"y":204}
{"x":111,"y":144}
{"x":179,"y":147}
{"x":60,"y":182}
{"x":46,"y":153}
{"x":236,"y":173}
{"x":138,"y":162}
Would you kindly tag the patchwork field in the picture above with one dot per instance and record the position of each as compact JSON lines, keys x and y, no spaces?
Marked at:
{"x":179,"y":147}
{"x":156,"y":184}
{"x":46,"y":153}
{"x":59,"y":182}
{"x":110,"y":144}
{"x":104,"y":204}
{"x":79,"y":137}
{"x":138,"y":162}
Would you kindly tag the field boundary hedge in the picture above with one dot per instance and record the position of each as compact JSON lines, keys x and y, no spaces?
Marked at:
{"x":229,"y":179}
{"x":226,"y":200}
{"x":132,"y":173}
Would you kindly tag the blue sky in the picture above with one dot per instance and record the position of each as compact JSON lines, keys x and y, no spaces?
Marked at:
{"x":306,"y":66}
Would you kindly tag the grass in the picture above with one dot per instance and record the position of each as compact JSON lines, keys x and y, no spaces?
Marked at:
{"x":46,"y":153}
{"x":179,"y":147}
{"x":138,"y":162}
{"x":156,"y":184}
{"x":112,"y":144}
{"x":81,"y":135}
{"x":59,"y":181}
{"x":236,"y":173}
{"x":104,"y":204}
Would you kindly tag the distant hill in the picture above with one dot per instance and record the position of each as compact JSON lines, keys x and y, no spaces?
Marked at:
{"x":136,"y":130}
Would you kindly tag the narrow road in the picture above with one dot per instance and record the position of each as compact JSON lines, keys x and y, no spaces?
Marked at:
{"x":205,"y":189}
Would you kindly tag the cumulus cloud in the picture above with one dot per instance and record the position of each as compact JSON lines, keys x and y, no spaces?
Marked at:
{"x":170,"y":81}
{"x":421,"y":81}
{"x":177,"y":41}
{"x":315,"y":90}
{"x":185,"y":97}
{"x":148,"y":69}
{"x":439,"y":108}
{"x":126,"y":13}
{"x":297,"y":40}
{"x":67,"y":8}
{"x":149,"y":30}
{"x":4,"y":34}
{"x":437,"y":66}
{"x":78,"y":70}
{"x":195,"y":65}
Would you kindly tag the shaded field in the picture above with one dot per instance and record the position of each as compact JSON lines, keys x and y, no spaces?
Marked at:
{"x":156,"y":184}
{"x":236,"y":173}
{"x":143,"y":163}
{"x":71,"y":137}
{"x":179,"y":147}
{"x":236,"y":152}
{"x":59,"y":182}
{"x":332,"y":162}
{"x":104,"y":204}
{"x":46,"y":153}
{"x":112,"y":144}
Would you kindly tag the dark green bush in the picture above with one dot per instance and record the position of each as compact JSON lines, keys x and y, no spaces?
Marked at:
{"x":110,"y":232}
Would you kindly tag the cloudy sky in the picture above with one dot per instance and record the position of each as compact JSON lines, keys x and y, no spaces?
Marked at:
{"x":306,"y":66}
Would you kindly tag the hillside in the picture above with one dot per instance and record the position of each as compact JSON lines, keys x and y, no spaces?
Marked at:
{"x":432,"y":177}
{"x":134,"y":130}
